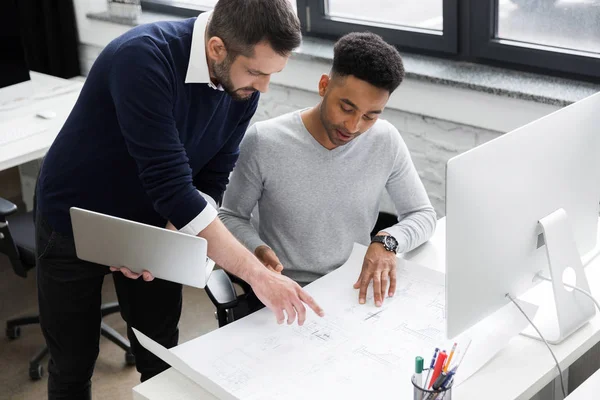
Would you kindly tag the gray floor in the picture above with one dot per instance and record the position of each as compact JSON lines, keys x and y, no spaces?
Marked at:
{"x":112,"y":378}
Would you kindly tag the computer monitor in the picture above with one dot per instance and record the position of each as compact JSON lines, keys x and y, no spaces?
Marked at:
{"x":497,"y":193}
{"x":15,"y":83}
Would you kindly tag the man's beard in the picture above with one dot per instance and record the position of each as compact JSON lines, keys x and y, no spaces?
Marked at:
{"x":222,"y":73}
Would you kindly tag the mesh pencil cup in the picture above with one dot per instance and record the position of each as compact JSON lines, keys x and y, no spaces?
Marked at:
{"x":420,"y":393}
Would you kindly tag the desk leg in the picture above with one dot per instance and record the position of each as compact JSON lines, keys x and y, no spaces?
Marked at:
{"x":28,"y":173}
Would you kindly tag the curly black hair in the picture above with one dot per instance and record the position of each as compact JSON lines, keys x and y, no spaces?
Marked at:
{"x":368,"y":57}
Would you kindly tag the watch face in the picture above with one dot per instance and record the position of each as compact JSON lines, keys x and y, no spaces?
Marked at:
{"x":391,"y":243}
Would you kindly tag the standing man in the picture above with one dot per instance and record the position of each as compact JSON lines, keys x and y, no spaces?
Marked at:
{"x":318,"y":174}
{"x":153,"y":138}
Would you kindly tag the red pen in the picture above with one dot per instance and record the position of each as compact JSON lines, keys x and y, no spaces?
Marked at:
{"x":439,"y":363}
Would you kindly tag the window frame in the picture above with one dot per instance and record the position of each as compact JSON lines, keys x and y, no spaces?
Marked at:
{"x":486,"y":46}
{"x":180,"y":8}
{"x":315,"y":22}
{"x":469,"y":34}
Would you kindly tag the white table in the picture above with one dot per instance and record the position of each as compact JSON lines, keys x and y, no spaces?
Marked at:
{"x":587,"y":390}
{"x":518,"y":372}
{"x":33,"y":147}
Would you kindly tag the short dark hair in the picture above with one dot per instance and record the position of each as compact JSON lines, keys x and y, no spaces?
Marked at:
{"x":368,"y":57}
{"x":242,"y":24}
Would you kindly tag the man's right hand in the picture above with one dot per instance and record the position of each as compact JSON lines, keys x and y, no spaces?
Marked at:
{"x":147,"y":276}
{"x":267,"y":256}
{"x":276,"y":291}
{"x":280,"y":293}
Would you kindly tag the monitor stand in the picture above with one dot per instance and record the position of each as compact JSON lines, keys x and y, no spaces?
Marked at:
{"x":571,"y":309}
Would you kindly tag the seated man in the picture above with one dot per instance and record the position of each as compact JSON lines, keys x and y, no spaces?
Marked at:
{"x":318,"y":176}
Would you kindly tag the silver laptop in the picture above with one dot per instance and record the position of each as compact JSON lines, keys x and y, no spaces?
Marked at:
{"x":117,"y":242}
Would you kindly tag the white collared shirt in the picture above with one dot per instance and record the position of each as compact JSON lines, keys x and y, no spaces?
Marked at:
{"x":198,"y":68}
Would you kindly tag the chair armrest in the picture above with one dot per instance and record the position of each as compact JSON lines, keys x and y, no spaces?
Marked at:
{"x":239,"y":281}
{"x":220,"y":290}
{"x":6,"y":208}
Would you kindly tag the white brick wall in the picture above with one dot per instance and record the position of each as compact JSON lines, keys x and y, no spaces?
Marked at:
{"x":432,"y":142}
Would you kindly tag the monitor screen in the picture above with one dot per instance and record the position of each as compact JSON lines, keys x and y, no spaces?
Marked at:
{"x":13,"y":67}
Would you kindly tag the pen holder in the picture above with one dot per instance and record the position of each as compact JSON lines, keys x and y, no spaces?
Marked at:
{"x":421,"y":393}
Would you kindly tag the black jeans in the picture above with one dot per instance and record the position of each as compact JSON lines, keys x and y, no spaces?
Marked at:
{"x":69,"y":296}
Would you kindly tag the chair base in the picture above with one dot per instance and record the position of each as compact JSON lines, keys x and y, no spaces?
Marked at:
{"x":36,"y":371}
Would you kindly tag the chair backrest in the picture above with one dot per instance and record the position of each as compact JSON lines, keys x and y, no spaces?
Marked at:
{"x":8,"y":245}
{"x":384,"y":220}
{"x":20,"y":262}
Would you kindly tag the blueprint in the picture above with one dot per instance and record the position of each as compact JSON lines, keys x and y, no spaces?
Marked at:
{"x":355,"y":350}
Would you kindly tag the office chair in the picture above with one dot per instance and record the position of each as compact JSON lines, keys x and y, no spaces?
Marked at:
{"x":222,"y":292}
{"x":17,"y":241}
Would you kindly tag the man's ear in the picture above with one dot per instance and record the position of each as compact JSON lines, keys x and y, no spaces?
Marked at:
{"x":215,"y":49}
{"x":324,"y":84}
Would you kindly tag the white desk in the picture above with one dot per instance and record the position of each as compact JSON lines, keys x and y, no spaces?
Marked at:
{"x":587,"y":390}
{"x":518,"y":372}
{"x":33,"y":147}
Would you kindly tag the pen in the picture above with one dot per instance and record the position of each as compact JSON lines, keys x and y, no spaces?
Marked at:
{"x":438,"y":367}
{"x":432,"y":365}
{"x":419,"y":371}
{"x":441,"y":384}
{"x":447,"y":364}
{"x":449,"y":380}
{"x":439,"y":381}
{"x":446,"y":385}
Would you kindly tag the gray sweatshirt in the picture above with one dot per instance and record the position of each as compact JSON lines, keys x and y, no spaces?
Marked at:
{"x":315,"y":203}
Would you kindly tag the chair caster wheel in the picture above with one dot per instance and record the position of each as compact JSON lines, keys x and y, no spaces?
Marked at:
{"x":36,"y":371}
{"x":129,"y":358}
{"x":13,"y":333}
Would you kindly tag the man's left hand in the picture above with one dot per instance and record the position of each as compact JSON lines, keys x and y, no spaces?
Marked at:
{"x":379,"y":266}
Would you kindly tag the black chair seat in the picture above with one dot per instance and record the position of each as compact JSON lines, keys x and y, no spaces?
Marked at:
{"x":22,"y":230}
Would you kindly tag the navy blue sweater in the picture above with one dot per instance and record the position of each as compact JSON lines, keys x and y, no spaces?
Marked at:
{"x":140,"y":141}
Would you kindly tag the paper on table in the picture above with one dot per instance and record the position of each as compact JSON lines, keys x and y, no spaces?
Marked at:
{"x":354,"y":351}
{"x":181,"y":366}
{"x":254,"y":358}
{"x":416,"y":309}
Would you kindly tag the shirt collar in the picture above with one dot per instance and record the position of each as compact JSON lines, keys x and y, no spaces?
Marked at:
{"x":197,"y":71}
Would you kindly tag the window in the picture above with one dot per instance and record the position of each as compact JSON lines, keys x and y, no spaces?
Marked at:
{"x":426,"y":14}
{"x":428,"y":25}
{"x":186,"y":8}
{"x":183,"y":8}
{"x":571,"y":24}
{"x":552,"y":36}
{"x":556,"y":36}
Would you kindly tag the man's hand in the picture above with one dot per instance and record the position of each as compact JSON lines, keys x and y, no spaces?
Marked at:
{"x":379,"y":266}
{"x":279,"y":293}
{"x":147,"y":276}
{"x":267,"y":256}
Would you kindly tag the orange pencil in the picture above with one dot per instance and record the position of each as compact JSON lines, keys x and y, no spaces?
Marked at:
{"x":447,"y":364}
